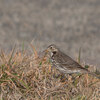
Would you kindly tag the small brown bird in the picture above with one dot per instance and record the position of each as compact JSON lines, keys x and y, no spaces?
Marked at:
{"x":64,"y":63}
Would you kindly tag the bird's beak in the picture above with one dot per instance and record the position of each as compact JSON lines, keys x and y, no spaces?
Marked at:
{"x":43,"y":53}
{"x":46,"y":51}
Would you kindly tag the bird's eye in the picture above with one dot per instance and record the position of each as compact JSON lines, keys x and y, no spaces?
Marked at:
{"x":51,"y":47}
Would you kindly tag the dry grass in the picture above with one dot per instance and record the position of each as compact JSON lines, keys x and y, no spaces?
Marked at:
{"x":25,"y":77}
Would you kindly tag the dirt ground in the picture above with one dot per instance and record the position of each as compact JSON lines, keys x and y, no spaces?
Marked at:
{"x":70,"y":24}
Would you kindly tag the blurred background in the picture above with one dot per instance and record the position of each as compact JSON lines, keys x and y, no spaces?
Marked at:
{"x":70,"y":24}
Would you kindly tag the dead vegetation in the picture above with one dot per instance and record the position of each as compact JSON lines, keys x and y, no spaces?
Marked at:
{"x":25,"y":77}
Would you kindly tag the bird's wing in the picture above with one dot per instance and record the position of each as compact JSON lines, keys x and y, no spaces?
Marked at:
{"x":68,"y":62}
{"x":72,"y":65}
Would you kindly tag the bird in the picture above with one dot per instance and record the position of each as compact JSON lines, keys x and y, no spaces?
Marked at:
{"x":64,"y":63}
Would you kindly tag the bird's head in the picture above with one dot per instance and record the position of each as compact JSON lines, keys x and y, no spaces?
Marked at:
{"x":52,"y":50}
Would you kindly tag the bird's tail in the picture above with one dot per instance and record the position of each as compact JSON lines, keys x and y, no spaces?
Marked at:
{"x":94,"y":75}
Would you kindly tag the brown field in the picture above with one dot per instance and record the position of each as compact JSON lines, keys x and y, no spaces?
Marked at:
{"x":25,"y":76}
